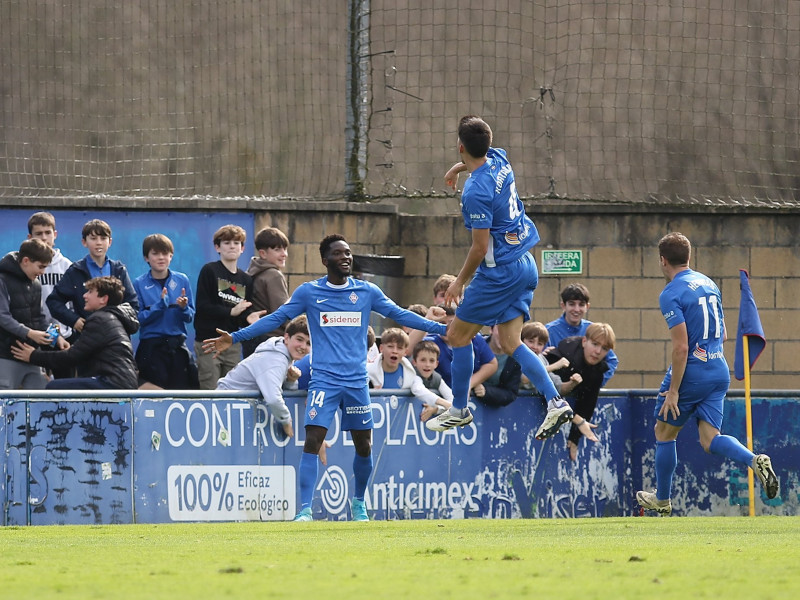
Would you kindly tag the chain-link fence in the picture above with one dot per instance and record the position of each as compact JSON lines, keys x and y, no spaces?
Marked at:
{"x":603,"y":100}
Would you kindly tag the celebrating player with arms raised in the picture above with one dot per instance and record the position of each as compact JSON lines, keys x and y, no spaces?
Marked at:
{"x":338,"y":309}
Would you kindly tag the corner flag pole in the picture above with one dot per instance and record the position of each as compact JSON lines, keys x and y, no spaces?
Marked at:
{"x":750,"y":342}
{"x":748,"y":411}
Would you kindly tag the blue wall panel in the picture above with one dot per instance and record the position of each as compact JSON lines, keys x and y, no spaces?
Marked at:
{"x":217,"y":458}
{"x":77,"y":457}
{"x":191,"y":234}
{"x":15,"y":465}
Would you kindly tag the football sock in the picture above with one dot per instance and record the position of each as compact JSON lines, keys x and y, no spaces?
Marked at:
{"x":309,"y":464}
{"x":666,"y":461}
{"x":730,"y":447}
{"x":362,"y":469}
{"x":534,"y":370}
{"x":461,"y":372}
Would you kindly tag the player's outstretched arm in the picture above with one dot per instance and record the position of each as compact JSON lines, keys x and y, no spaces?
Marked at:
{"x":435,"y":313}
{"x":218,"y":344}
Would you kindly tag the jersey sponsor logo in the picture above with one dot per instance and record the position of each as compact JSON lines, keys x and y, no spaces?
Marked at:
{"x":512,"y":239}
{"x":475,"y":216}
{"x":704,"y":355}
{"x":700,"y":353}
{"x":321,"y":300}
{"x":668,"y":315}
{"x":340,"y":319}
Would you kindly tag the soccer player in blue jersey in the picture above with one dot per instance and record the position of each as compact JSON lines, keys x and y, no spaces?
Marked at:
{"x":698,"y":378}
{"x":573,"y":322}
{"x":338,"y":309}
{"x":505,"y":275}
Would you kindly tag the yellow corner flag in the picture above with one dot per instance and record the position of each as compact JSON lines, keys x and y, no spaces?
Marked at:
{"x":750,"y":343}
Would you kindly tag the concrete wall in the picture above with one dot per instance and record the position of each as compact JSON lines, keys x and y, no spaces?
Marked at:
{"x":620,"y":260}
{"x":620,"y":268}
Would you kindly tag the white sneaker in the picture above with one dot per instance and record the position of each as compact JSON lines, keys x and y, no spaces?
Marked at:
{"x":762,"y":465}
{"x":452,"y":417}
{"x":650,"y":501}
{"x":553,"y":421}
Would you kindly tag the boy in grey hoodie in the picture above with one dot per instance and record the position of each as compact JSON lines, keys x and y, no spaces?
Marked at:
{"x":265,"y":370}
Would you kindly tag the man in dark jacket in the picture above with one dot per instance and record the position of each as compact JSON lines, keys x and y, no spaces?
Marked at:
{"x":103,"y":354}
{"x":21,"y":316}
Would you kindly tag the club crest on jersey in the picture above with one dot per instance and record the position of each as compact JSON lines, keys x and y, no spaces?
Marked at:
{"x":353,"y":297}
{"x":312,"y":413}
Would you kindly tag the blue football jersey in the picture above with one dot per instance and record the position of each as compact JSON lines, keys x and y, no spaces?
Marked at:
{"x":694,"y":299}
{"x":338,"y":317}
{"x":490,"y":201}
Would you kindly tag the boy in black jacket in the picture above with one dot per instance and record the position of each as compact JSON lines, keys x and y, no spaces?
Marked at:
{"x":21,"y":316}
{"x":103,"y":354}
{"x":223,"y":301}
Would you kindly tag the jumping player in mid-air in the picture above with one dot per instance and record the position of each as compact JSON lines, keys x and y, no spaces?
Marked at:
{"x":505,"y":275}
{"x":338,"y":309}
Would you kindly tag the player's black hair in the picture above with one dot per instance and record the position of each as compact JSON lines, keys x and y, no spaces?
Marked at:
{"x":475,"y":134}
{"x":327,"y":242}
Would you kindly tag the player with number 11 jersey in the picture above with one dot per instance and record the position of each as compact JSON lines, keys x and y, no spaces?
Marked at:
{"x":694,"y":299}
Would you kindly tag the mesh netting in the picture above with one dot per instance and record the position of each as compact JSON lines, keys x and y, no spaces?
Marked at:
{"x":602,"y":100}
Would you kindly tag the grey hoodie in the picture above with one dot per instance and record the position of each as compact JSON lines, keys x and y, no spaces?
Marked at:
{"x":263,"y":371}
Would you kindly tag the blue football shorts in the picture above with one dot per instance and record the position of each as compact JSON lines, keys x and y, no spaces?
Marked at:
{"x":701,"y":400}
{"x":500,"y":294}
{"x":323,"y":402}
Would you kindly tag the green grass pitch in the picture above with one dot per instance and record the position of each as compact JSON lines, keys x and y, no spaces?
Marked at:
{"x":705,"y":557}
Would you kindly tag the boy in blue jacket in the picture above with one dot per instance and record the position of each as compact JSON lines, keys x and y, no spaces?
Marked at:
{"x":166,"y":306}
